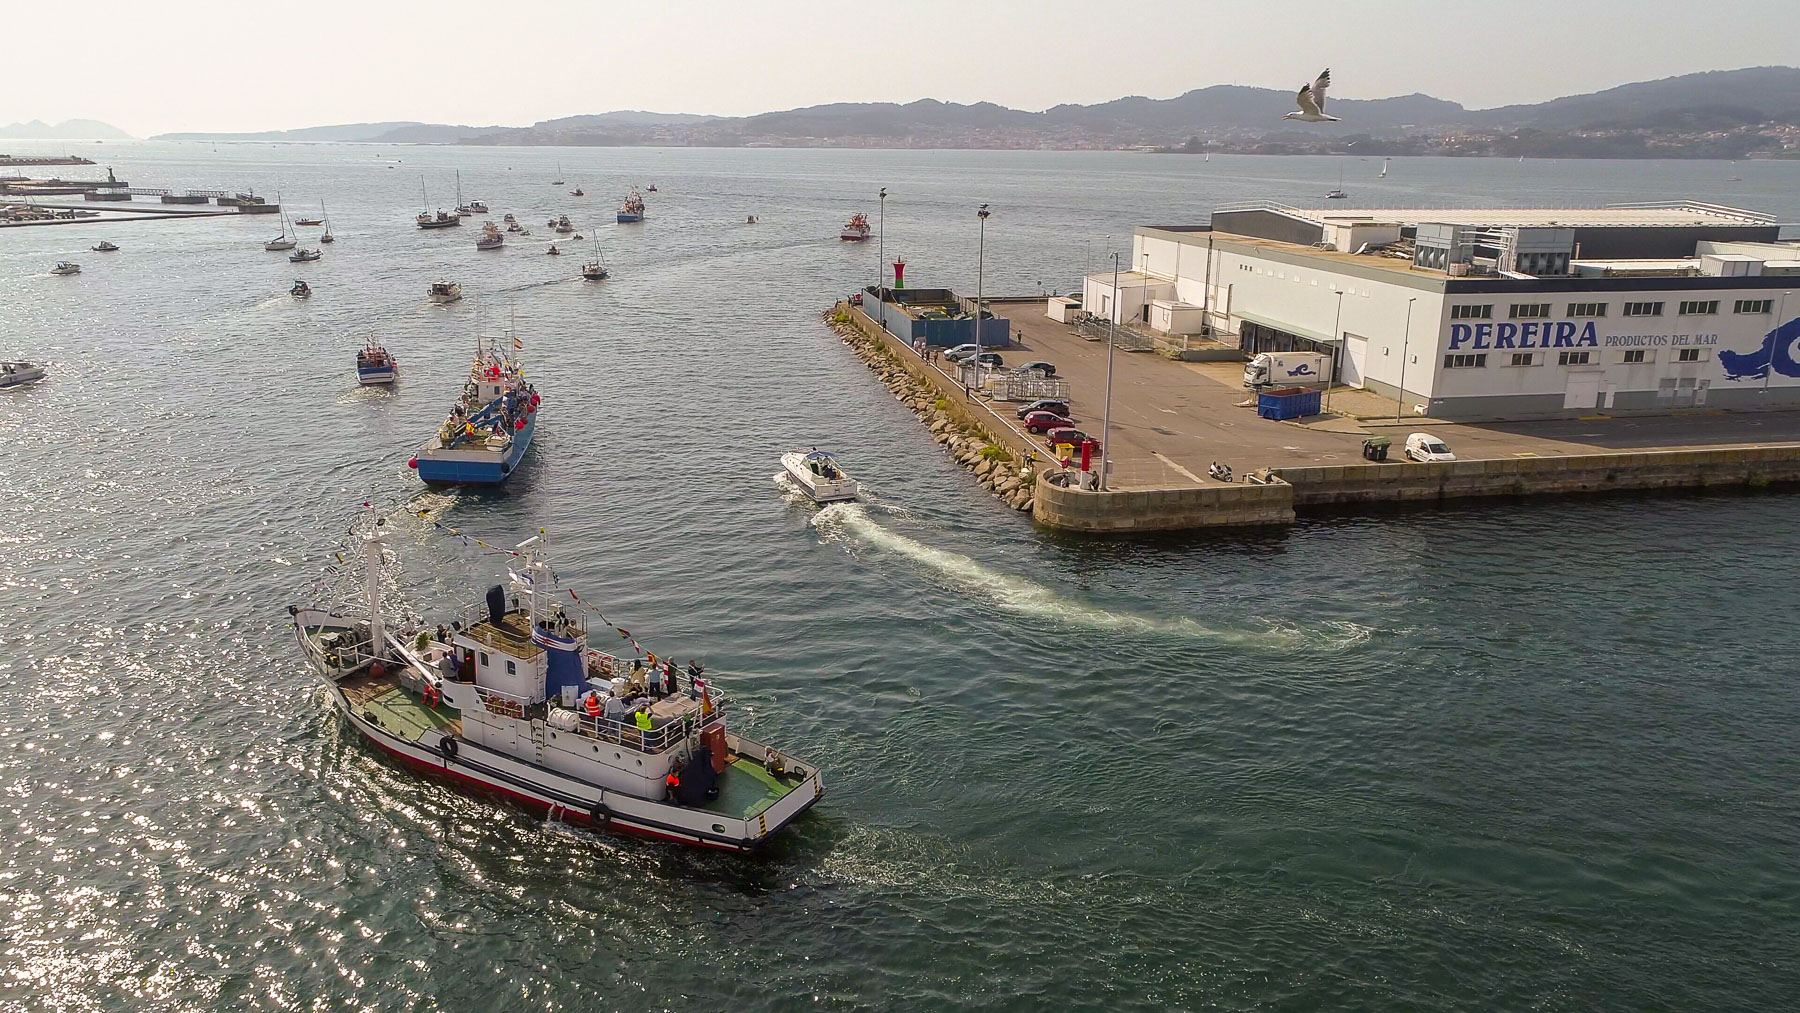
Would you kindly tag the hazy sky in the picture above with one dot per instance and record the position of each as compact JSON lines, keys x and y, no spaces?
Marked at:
{"x":183,"y":65}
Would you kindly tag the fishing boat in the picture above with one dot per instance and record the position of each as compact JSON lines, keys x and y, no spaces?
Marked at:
{"x":595,"y":270}
{"x":508,"y":218}
{"x":553,"y":251}
{"x":651,"y":188}
{"x":513,"y":227}
{"x":300,"y":289}
{"x":752,"y":220}
{"x":444,"y":292}
{"x":65,"y":268}
{"x":375,"y":366}
{"x":856,"y":229}
{"x":632,"y":210}
{"x":819,"y":476}
{"x":313,"y":221}
{"x":105,"y":246}
{"x":563,"y":226}
{"x":305,"y":256}
{"x":488,"y":429}
{"x":479,"y":207}
{"x":578,"y":192}
{"x":491,"y":237}
{"x":509,"y":699}
{"x":19,"y":372}
{"x":427,"y":220}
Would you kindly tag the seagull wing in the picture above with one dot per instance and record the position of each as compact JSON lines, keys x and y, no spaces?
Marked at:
{"x":1319,"y":86}
{"x":1305,"y":99}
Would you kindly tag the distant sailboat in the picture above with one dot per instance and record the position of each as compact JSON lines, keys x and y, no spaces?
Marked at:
{"x":1384,"y":165}
{"x":558,"y":181}
{"x":327,"y":237}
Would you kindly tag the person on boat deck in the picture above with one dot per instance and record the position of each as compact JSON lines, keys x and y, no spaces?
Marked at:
{"x":656,"y":683}
{"x":642,"y":717}
{"x":636,"y":678}
{"x":447,"y":667}
{"x":694,"y":670}
{"x":615,"y":709}
{"x":672,"y":678}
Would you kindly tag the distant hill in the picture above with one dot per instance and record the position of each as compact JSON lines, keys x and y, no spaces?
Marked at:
{"x":67,"y":130}
{"x":401,"y":132}
{"x":1715,"y":114}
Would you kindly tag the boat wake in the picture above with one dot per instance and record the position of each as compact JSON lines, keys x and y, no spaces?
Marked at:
{"x":839,"y":522}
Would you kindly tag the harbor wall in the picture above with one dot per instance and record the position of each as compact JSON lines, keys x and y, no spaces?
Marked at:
{"x":1732,"y":467}
{"x":1205,"y":506}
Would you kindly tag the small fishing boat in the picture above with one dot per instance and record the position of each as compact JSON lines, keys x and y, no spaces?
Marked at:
{"x":309,"y":221}
{"x":19,"y":372}
{"x":553,"y":251}
{"x":578,"y":236}
{"x":65,"y":268}
{"x":509,"y":700}
{"x":651,"y":188}
{"x":752,"y":220}
{"x":489,"y":428}
{"x":856,"y":229}
{"x":300,"y":290}
{"x":562,"y":225}
{"x":819,"y":476}
{"x":508,"y":218}
{"x":305,"y":256}
{"x":513,"y":227}
{"x":632,"y":210}
{"x":479,"y":207}
{"x":1336,"y":195}
{"x":444,"y":292}
{"x":375,"y":366}
{"x":577,"y":192}
{"x":105,"y":246}
{"x":491,"y":237}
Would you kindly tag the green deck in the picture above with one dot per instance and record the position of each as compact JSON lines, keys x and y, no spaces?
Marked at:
{"x":746,"y":789}
{"x":403,"y":714}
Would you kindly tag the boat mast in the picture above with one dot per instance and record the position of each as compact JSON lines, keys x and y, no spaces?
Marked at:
{"x":372,"y":583}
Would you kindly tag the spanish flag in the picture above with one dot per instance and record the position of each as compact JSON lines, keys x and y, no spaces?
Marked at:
{"x":518,"y":344}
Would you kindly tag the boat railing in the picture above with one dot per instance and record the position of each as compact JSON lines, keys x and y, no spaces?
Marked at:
{"x":506,"y":705}
{"x":659,"y":738}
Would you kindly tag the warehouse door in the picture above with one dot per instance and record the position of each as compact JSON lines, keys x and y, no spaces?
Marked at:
{"x":1583,"y":391}
{"x":1356,"y":359}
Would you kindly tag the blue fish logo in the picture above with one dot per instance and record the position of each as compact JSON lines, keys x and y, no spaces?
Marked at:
{"x":1301,"y":370}
{"x":1777,"y":351}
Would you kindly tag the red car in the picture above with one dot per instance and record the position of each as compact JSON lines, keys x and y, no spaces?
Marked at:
{"x":1043,"y":422}
{"x":1067,"y":435}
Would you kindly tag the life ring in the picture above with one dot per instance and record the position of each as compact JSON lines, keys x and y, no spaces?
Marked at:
{"x":447,"y":746}
{"x":600,"y":814}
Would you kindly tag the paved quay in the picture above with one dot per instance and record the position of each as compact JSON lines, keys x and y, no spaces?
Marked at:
{"x":1169,"y":417}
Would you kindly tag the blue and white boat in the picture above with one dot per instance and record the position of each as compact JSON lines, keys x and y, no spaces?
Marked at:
{"x":490,"y":426}
{"x":374,"y":365}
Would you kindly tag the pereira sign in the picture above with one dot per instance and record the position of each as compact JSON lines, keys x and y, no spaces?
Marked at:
{"x":1532,"y":334}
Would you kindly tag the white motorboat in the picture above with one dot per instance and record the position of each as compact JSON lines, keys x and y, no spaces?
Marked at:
{"x":444,"y":291}
{"x":13,"y":374}
{"x":819,"y":476}
{"x":65,"y":268}
{"x":304,"y":256}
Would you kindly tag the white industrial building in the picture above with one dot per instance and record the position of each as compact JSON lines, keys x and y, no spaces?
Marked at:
{"x":1496,"y":313}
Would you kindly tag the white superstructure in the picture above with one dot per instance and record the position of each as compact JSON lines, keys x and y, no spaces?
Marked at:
{"x":1491,"y":313}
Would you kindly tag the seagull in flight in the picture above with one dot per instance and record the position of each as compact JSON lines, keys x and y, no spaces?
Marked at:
{"x":1312,"y":101}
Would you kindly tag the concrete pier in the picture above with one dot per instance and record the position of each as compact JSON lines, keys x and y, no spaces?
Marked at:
{"x":1172,"y":418}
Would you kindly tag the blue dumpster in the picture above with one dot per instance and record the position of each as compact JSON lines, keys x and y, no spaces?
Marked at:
{"x":1287,"y":403}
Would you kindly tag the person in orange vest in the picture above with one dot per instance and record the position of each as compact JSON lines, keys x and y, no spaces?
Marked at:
{"x":673,"y":781}
{"x":593,"y":705}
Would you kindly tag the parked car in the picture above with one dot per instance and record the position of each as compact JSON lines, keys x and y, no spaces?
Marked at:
{"x":1047,"y":404}
{"x":1039,"y":366}
{"x":990,"y":359}
{"x":1425,"y":447}
{"x":961,"y":352}
{"x":1067,"y":434}
{"x":1043,"y":422}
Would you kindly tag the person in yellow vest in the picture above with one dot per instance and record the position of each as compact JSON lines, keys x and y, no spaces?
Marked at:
{"x":642,"y":718}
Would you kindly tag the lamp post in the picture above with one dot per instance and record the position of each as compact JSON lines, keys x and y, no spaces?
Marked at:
{"x":980,"y":263}
{"x":1337,"y":349}
{"x":1400,"y":396}
{"x":1106,"y":413}
{"x":881,"y":256}
{"x":1146,"y":273}
{"x":1769,"y":369}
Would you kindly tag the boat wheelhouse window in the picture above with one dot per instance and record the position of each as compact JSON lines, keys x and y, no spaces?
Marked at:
{"x":484,"y":661}
{"x":511,"y":669}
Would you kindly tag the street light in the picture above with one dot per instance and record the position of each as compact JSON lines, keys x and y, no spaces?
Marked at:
{"x":1106,"y":415}
{"x":1337,"y":349}
{"x":980,"y":259}
{"x":1400,"y":396}
{"x":881,"y":256}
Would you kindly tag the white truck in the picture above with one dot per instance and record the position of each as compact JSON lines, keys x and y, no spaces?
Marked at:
{"x":1287,"y":369}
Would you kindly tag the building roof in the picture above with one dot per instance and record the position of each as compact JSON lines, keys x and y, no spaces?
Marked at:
{"x":1675,"y":214}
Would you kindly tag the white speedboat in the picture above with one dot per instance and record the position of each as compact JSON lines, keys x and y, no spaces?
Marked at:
{"x":444,"y":291}
{"x":14,"y":373}
{"x":64,"y":267}
{"x":819,"y":476}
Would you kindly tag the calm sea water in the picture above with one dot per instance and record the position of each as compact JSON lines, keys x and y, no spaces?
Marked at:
{"x":1517,"y":756}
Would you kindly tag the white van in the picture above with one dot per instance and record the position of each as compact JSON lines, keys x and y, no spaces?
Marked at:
{"x":1425,"y":448}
